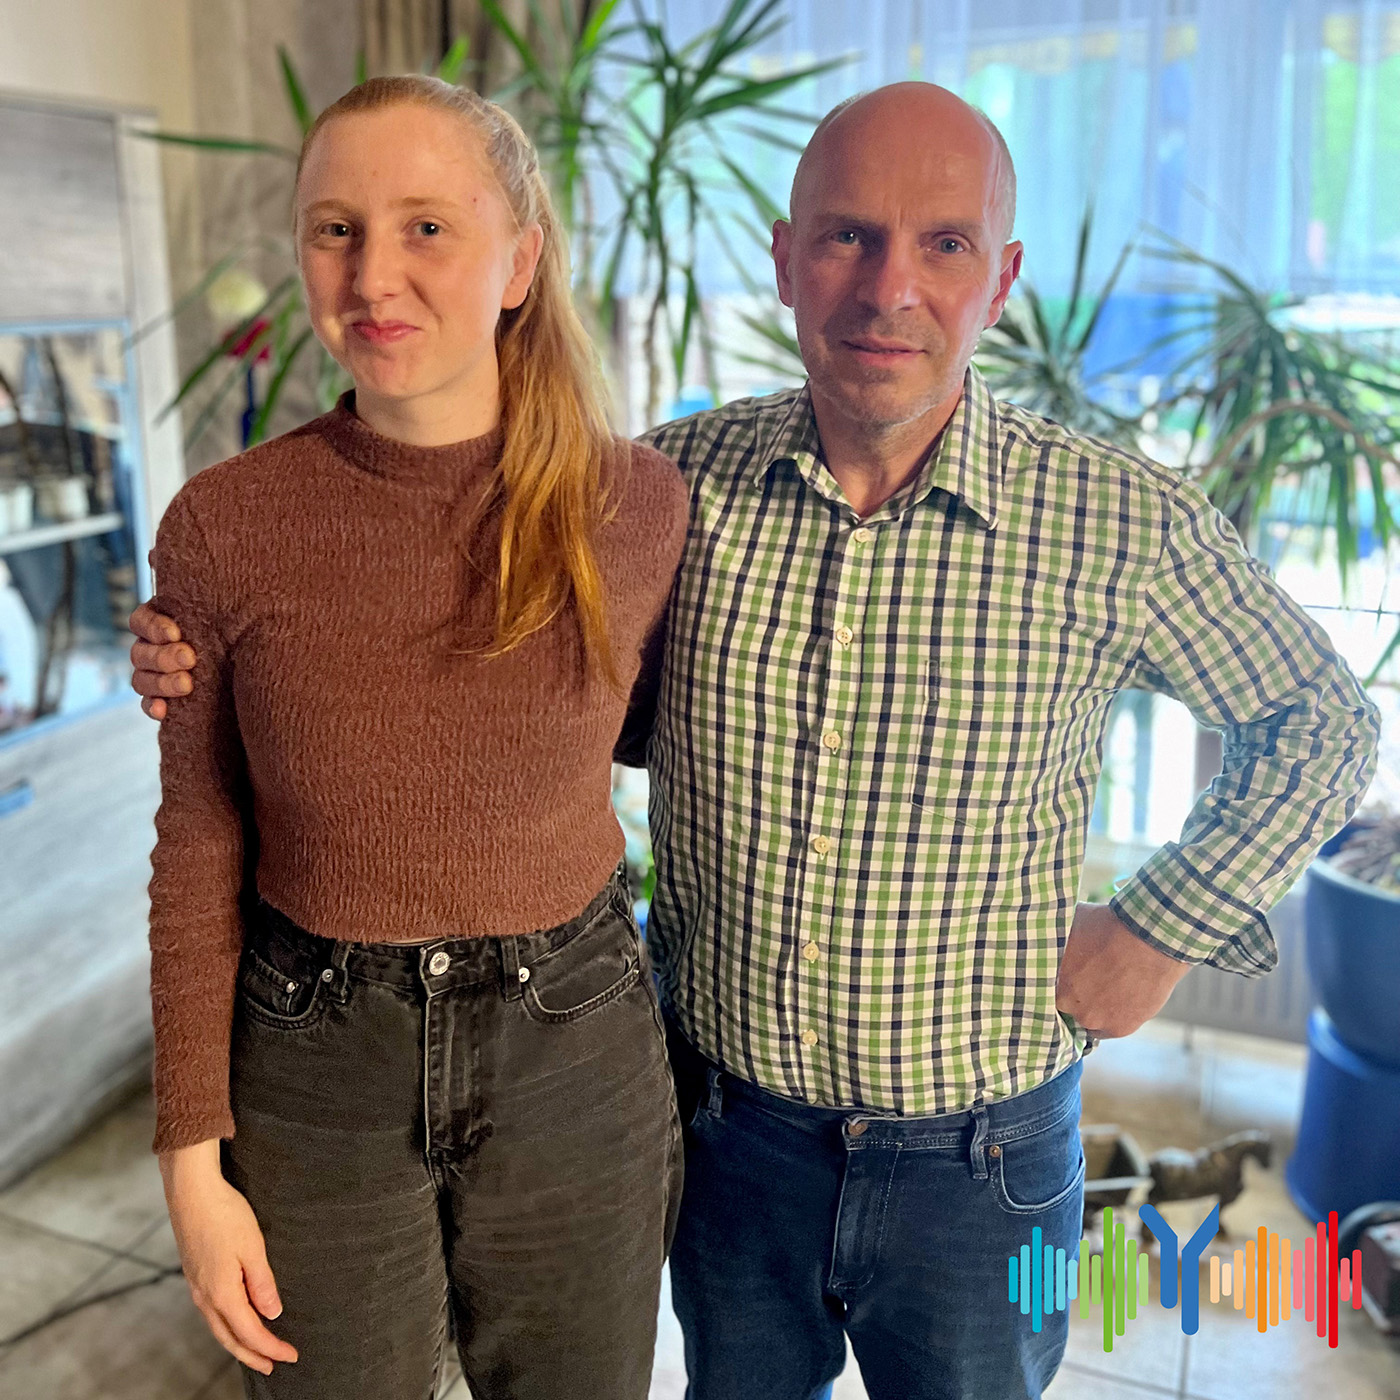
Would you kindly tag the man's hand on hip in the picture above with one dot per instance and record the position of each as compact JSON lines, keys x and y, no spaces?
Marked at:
{"x":1111,"y":981}
{"x":161,"y":661}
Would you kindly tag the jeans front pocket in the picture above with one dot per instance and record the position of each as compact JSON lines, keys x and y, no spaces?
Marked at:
{"x":593,"y":968}
{"x":279,"y":984}
{"x":1040,"y":1171}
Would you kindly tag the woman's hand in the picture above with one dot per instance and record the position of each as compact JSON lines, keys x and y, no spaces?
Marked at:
{"x":221,"y":1248}
{"x":161,"y":662}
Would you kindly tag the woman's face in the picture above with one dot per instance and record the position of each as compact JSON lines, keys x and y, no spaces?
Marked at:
{"x":409,"y":252}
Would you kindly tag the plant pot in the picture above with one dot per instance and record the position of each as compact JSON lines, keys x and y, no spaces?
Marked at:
{"x":1353,"y":939}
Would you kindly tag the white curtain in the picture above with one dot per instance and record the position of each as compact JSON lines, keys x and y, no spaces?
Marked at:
{"x":1265,"y":133}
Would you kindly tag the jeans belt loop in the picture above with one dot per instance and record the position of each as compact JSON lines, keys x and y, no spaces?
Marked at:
{"x":977,"y":1154}
{"x":339,"y":980}
{"x":714,"y":1105}
{"x":512,"y":988}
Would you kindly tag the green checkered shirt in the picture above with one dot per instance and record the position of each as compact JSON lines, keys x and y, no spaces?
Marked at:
{"x":876,"y":743}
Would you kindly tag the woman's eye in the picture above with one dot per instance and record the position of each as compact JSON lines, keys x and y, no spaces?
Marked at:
{"x":428,"y":228}
{"x":336,"y":230}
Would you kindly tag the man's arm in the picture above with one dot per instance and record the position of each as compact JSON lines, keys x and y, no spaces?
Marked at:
{"x":160,"y":658}
{"x":1299,"y":737}
{"x":631,"y":747}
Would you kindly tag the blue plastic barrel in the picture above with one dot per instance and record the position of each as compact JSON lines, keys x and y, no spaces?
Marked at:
{"x":1348,"y":1148}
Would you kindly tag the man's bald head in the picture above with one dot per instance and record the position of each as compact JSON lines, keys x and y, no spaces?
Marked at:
{"x":913,"y":110}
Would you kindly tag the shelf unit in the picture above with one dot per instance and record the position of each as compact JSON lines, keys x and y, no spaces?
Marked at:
{"x":41,"y":535}
{"x":82,"y":225}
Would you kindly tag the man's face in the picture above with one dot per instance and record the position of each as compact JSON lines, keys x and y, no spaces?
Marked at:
{"x":894,"y":263}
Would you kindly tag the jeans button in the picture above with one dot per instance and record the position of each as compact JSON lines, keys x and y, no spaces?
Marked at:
{"x":437,"y":964}
{"x":856,"y":1128}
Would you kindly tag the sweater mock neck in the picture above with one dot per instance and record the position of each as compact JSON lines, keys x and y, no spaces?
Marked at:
{"x":444,"y":470}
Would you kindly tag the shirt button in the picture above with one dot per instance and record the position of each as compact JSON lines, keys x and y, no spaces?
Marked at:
{"x":809,"y":1037}
{"x":862,"y":535}
{"x":523,"y":975}
{"x":832,"y":740}
{"x":327,"y":973}
{"x":291,"y":987}
{"x":437,"y":964}
{"x":811,"y":952}
{"x":844,"y":635}
{"x":821,"y":844}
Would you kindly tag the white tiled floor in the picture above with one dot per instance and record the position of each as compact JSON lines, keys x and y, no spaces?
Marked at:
{"x":92,"y":1221}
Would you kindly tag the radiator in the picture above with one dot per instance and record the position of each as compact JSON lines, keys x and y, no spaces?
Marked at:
{"x":1275,"y":1005}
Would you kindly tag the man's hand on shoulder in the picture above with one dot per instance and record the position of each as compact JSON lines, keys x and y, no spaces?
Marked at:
{"x":1110,"y":980}
{"x":161,"y":662}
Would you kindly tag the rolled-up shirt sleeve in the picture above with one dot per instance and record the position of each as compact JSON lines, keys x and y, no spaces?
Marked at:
{"x":1299,"y":739}
{"x":198,"y":861}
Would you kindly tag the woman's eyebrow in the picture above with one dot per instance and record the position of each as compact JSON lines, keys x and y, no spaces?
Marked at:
{"x":417,"y":201}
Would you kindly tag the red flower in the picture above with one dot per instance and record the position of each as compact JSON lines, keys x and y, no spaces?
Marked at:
{"x":244,"y":343}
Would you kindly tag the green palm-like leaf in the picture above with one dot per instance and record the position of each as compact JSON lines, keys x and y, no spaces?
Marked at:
{"x":296,"y":95}
{"x":284,"y":364}
{"x":450,"y":68}
{"x":233,"y":144}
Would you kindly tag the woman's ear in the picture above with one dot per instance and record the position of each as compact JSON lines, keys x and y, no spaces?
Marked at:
{"x":528,"y":248}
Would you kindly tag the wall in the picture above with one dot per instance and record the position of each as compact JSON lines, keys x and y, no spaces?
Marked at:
{"x":133,"y":53}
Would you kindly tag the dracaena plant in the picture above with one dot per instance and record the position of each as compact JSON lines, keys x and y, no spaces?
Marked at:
{"x":651,"y":124}
{"x":1273,"y":410}
{"x":1036,"y":355}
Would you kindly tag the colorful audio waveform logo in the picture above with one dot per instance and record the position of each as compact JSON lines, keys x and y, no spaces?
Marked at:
{"x":1269,"y":1279}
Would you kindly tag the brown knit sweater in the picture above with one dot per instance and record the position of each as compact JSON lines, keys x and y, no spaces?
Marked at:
{"x":396,"y":791}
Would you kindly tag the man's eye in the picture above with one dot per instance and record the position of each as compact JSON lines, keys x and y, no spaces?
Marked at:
{"x":428,"y":227}
{"x":846,"y":237}
{"x":336,"y":230}
{"x":950,"y":245}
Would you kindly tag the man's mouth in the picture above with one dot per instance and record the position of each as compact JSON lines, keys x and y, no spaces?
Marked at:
{"x":880,"y":351}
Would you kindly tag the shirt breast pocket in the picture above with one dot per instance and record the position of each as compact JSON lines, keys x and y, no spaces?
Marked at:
{"x":975,"y":725}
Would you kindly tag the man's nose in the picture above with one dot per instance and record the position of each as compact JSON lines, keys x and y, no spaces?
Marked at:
{"x":378,"y":269}
{"x":891,"y":280}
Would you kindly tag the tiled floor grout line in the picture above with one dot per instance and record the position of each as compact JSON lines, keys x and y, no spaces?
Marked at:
{"x":1185,"y":1366}
{"x":1151,"y":1387}
{"x":128,"y":1252}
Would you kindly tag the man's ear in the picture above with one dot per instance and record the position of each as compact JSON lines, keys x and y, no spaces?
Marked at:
{"x":782,"y":251}
{"x":528,"y":248}
{"x":1011,"y":257}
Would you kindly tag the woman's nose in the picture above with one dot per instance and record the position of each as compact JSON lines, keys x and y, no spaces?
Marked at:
{"x":378,"y":269}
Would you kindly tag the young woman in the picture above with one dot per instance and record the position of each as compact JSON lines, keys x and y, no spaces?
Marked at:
{"x":420,"y":1075}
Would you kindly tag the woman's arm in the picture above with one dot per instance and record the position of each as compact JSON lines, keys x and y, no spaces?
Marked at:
{"x":197,"y":863}
{"x":196,"y":943}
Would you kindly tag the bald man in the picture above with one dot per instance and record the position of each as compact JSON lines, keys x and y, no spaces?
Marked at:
{"x":874,"y":727}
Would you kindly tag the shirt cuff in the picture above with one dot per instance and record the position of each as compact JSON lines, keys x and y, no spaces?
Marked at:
{"x":1170,"y":905}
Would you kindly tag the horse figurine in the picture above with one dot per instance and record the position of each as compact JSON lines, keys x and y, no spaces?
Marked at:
{"x":1216,"y":1170}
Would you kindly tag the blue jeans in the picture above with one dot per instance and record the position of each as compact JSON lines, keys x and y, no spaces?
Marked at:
{"x":802,"y":1226}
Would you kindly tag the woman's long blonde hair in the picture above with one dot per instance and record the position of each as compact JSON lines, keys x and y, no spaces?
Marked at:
{"x":553,"y":415}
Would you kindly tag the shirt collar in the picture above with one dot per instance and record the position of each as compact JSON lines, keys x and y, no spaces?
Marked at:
{"x":965,"y":461}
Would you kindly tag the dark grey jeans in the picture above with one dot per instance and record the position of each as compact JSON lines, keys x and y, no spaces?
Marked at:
{"x":479,"y":1128}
